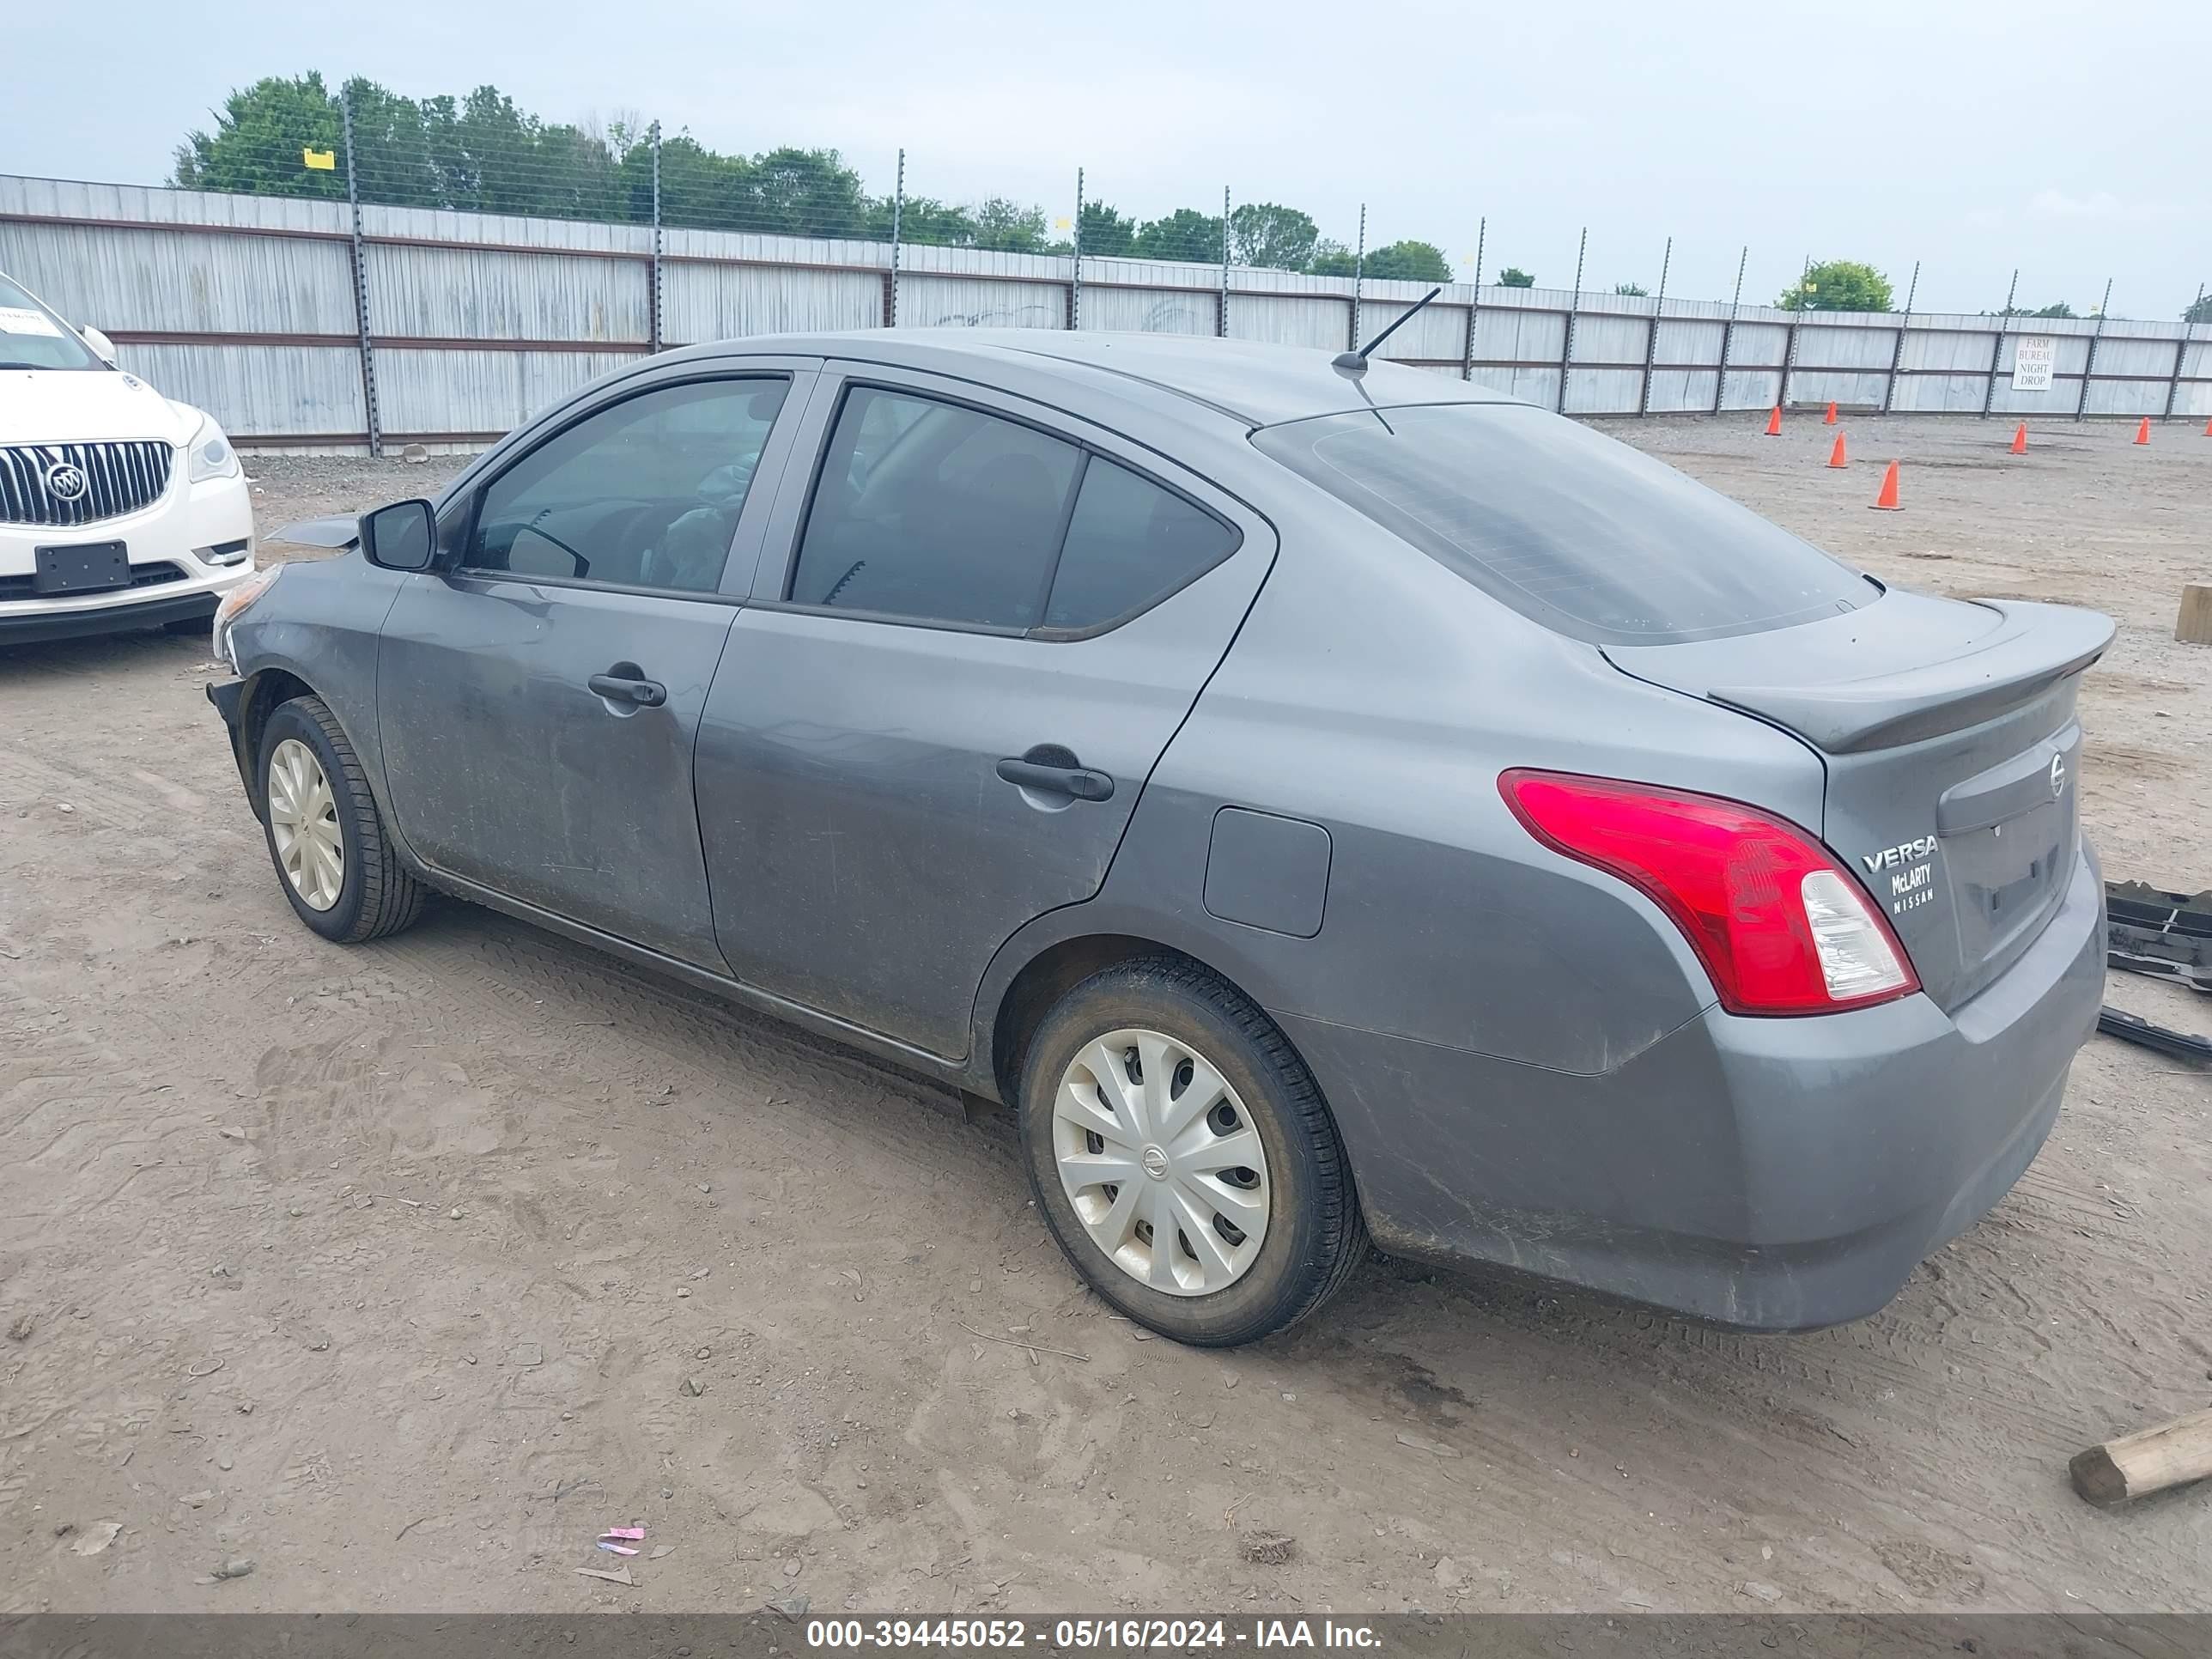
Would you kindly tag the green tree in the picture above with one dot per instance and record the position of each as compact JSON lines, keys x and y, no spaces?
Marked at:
{"x":1514,"y":277}
{"x":1104,"y":231}
{"x":1332,"y":259}
{"x":1271,"y":236}
{"x":1631,"y":290}
{"x":1837,"y":285}
{"x":1413,"y":262}
{"x":2198,"y":311}
{"x":259,"y":133}
{"x":1186,"y":233}
{"x":924,"y":221}
{"x":2060,"y":308}
{"x":1007,"y":226}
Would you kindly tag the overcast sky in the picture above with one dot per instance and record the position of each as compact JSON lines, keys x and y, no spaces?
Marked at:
{"x":1971,"y":135}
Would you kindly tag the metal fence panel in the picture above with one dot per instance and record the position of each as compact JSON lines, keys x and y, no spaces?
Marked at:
{"x":453,"y":294}
{"x":1534,"y":337}
{"x":1436,"y":334}
{"x":931,"y":301}
{"x":1607,"y":339}
{"x":425,"y":393}
{"x":1323,"y":323}
{"x":1604,"y":391}
{"x":267,"y":391}
{"x":1682,"y":391}
{"x":1149,"y":310}
{"x":182,"y":282}
{"x":1685,"y":341}
{"x":701,"y":301}
{"x":1757,"y":345}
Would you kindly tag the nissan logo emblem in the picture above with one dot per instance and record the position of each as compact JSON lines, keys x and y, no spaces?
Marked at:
{"x":65,"y":481}
{"x":2057,"y":776}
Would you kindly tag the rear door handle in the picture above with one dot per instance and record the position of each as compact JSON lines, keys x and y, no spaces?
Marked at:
{"x":625,"y":683}
{"x":1056,"y":772}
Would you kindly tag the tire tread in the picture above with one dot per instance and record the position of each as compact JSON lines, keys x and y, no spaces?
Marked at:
{"x":391,"y":898}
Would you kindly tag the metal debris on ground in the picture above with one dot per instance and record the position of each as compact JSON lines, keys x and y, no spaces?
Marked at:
{"x":2134,"y":1028}
{"x":2164,"y":935}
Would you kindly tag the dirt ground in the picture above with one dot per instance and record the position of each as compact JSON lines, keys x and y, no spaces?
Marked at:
{"x":403,"y":1271}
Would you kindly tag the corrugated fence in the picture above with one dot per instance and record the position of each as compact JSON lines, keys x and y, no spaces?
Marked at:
{"x":449,"y":328}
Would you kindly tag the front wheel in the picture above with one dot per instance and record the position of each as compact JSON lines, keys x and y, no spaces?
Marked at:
{"x":333,"y":857}
{"x":1183,"y":1158}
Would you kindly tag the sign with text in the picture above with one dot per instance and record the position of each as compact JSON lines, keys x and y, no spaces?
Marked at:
{"x":2032,"y":360}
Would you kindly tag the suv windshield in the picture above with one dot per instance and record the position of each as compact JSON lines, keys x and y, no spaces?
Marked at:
{"x":1592,"y":539}
{"x":32,"y":337}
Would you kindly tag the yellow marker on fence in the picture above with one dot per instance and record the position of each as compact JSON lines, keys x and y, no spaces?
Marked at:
{"x":323,"y":160}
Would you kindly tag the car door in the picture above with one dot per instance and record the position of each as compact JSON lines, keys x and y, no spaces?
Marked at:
{"x":539,"y":695}
{"x":933,"y":723}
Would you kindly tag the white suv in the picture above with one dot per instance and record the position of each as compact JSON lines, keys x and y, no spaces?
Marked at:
{"x":117,"y":508}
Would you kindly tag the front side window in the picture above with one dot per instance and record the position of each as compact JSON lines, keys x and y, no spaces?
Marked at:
{"x":1588,"y":536}
{"x":644,"y":493}
{"x":32,"y":337}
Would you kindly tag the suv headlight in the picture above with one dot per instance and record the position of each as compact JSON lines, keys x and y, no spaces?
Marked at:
{"x":209,"y":454}
{"x":234,"y":605}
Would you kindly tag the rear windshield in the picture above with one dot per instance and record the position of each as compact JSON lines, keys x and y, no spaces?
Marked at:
{"x":1586,"y":535}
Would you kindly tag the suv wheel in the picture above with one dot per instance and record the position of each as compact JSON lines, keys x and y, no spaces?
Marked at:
{"x":1183,"y":1156}
{"x":333,"y":859}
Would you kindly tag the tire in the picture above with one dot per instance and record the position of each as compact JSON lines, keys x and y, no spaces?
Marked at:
{"x":374,"y":895}
{"x":1306,"y":1236}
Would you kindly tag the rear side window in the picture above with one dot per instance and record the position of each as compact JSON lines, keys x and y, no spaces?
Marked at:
{"x":1130,"y":542}
{"x":932,"y":511}
{"x":1586,"y":535}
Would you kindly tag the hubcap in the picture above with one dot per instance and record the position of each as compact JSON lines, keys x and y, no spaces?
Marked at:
{"x":303,"y":822}
{"x":1160,"y":1159}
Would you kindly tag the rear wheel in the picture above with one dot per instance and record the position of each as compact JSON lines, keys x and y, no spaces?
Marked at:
{"x":1183,"y":1158}
{"x":333,"y":857}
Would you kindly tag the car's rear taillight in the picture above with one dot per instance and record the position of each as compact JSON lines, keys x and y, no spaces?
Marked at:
{"x":1780,"y":926}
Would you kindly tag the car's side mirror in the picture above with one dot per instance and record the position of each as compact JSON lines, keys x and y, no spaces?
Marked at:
{"x":401,"y":536}
{"x":102,"y":347}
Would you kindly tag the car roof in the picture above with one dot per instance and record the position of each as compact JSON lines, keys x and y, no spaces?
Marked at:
{"x":1252,"y":384}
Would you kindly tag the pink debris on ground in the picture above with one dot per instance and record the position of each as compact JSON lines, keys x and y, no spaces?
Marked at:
{"x":623,"y":1532}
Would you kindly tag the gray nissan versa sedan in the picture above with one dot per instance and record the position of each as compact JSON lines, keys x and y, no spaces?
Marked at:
{"x":1325,"y":801}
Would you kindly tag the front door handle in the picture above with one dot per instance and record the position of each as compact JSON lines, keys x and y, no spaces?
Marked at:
{"x":626,"y":683}
{"x":1052,"y":770}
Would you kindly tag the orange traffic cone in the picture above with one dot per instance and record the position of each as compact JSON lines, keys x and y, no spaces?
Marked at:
{"x":2020,"y":440}
{"x":1830,"y":418}
{"x":1774,"y":422}
{"x":1887,"y":499}
{"x":1836,"y":455}
{"x":2208,"y":428}
{"x":2142,"y":431}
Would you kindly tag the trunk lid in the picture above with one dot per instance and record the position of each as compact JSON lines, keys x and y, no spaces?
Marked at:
{"x":1948,"y":733}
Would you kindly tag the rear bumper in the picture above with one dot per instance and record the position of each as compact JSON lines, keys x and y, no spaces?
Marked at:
{"x":1767,"y":1174}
